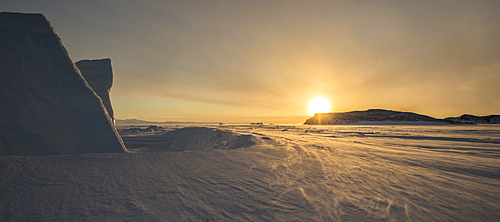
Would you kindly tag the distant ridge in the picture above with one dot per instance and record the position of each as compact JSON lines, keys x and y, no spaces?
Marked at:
{"x":467,"y":118}
{"x":137,"y":121}
{"x":371,"y":115}
{"x":390,"y":117}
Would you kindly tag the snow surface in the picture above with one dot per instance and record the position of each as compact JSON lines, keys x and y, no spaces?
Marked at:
{"x":283,"y":173}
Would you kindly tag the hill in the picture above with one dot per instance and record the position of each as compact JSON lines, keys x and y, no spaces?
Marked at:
{"x":372,"y":116}
{"x":466,"y":118}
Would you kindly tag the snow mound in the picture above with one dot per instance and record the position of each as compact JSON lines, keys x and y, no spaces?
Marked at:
{"x":190,"y":138}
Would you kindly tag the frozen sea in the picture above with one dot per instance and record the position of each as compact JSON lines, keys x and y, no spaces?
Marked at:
{"x":265,"y":173}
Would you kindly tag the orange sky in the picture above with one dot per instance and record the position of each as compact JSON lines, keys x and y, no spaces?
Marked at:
{"x":265,"y":60}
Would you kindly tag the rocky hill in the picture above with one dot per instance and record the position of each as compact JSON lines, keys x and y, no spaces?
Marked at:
{"x":471,"y":119}
{"x":371,"y":115}
{"x":390,"y":117}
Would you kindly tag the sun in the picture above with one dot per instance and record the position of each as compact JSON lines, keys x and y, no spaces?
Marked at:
{"x":319,"y":105}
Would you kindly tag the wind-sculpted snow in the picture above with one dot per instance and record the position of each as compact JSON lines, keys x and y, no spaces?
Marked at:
{"x":190,"y":138}
{"x":290,"y":173}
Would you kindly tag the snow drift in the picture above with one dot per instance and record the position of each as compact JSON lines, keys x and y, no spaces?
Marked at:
{"x":190,"y":138}
{"x":46,"y":106}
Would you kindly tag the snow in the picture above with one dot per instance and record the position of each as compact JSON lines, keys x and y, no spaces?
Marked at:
{"x":190,"y":138}
{"x":283,"y":173}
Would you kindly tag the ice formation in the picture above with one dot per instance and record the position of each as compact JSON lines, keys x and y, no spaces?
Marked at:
{"x":99,"y":75}
{"x":46,"y":106}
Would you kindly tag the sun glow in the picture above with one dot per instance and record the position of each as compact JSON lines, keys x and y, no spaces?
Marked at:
{"x":319,"y":105}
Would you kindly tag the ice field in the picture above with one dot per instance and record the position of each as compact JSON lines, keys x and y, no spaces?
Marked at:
{"x":266,"y":173}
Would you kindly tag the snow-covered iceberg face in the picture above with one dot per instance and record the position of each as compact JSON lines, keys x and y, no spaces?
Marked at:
{"x":46,"y":106}
{"x":99,"y":74}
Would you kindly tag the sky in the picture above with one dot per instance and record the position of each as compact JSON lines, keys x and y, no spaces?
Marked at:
{"x":264,"y":60}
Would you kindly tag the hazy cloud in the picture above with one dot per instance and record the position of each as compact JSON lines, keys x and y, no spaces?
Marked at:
{"x":436,"y":57}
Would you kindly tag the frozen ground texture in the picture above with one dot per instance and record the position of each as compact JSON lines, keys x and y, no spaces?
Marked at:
{"x":283,"y":173}
{"x":46,"y":106}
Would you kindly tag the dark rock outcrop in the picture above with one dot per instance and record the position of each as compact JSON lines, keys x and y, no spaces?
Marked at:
{"x":46,"y":106}
{"x":99,"y":75}
{"x":380,"y":116}
{"x":371,"y":115}
{"x":471,"y":119}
